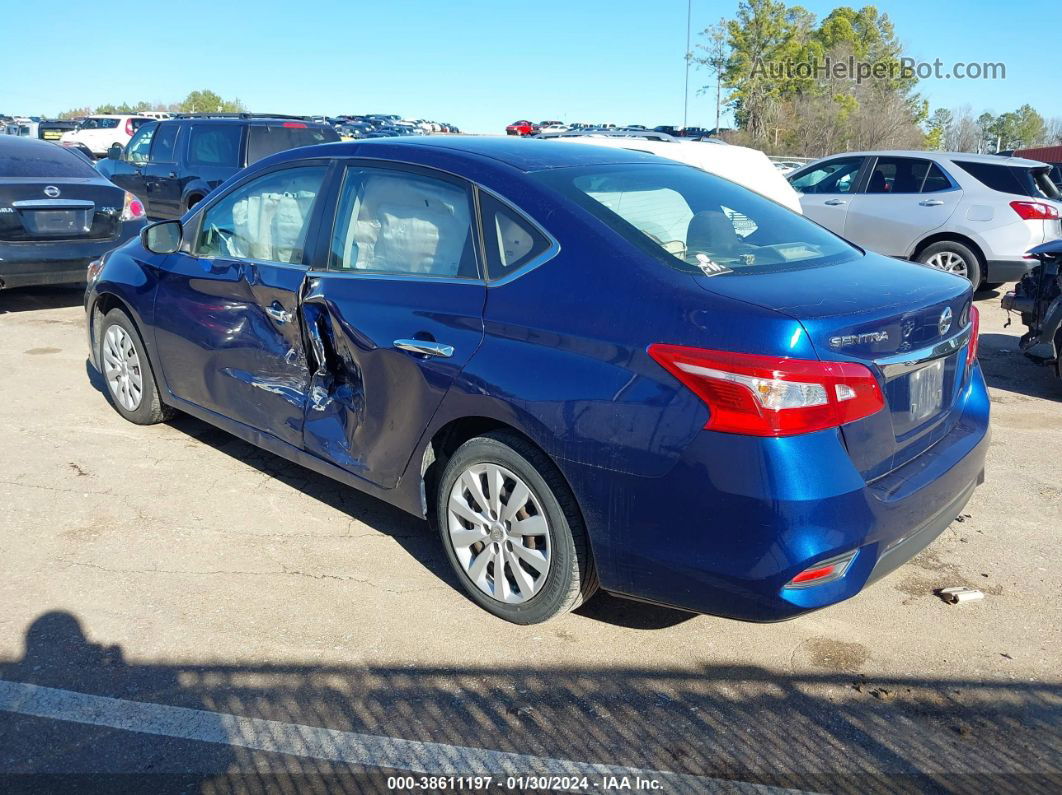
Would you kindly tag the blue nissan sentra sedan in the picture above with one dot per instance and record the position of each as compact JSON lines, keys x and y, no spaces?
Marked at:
{"x":588,"y":368}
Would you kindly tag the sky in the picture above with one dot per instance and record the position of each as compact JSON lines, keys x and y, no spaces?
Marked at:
{"x":479,"y":64}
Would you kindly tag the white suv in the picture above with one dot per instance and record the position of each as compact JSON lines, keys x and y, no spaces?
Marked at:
{"x":973,"y":215}
{"x":100,"y":133}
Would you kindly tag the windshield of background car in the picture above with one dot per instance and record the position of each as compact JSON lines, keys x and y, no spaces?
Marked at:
{"x":263,"y":140}
{"x":697,"y":221}
{"x":46,"y":161}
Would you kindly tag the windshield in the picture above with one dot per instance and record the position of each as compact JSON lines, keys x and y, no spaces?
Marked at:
{"x":698,"y":221}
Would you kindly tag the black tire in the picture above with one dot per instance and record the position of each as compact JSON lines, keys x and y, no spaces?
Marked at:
{"x":970,"y":259}
{"x":571,"y":578}
{"x":151,"y":409}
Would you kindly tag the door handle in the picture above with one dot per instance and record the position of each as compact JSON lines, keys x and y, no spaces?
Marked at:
{"x":834,"y":202}
{"x":931,"y":203}
{"x":425,"y":348}
{"x":278,"y":313}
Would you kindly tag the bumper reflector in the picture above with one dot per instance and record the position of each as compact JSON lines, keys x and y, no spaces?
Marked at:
{"x":824,"y":572}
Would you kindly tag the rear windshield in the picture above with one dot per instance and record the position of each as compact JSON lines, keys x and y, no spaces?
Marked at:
{"x":697,"y":221}
{"x":263,"y":141}
{"x":1021,"y":180}
{"x":47,"y":161}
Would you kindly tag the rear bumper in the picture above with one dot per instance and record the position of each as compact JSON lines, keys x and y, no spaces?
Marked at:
{"x":1007,"y":270}
{"x":738,"y":517}
{"x":63,"y":262}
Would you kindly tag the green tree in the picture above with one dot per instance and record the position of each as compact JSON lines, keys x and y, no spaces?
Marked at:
{"x":205,"y":101}
{"x":758,"y":40}
{"x":937,"y":131}
{"x":715,"y":57}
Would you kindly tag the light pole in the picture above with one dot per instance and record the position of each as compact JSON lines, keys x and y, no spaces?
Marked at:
{"x":686,"y":92}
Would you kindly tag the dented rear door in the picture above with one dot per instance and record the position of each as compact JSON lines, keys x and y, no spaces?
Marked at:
{"x":391,"y":318}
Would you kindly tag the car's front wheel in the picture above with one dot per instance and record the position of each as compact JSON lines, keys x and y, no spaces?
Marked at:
{"x":127,"y":371}
{"x":512,"y":530}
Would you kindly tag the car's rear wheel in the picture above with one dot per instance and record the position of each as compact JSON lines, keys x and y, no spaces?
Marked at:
{"x":512,"y":530}
{"x":127,"y":371}
{"x":953,"y":257}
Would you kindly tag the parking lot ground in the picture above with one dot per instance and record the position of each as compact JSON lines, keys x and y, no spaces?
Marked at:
{"x":179,"y":605}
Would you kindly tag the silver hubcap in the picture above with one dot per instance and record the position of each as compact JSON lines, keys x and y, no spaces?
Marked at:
{"x":948,"y":261}
{"x":499,"y":533}
{"x":121,"y":368}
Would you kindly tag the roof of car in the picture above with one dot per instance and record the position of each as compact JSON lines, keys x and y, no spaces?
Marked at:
{"x":521,"y":154}
{"x":969,"y":157}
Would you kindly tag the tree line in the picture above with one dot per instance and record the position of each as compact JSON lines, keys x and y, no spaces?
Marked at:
{"x":203,"y":101}
{"x":805,"y":86}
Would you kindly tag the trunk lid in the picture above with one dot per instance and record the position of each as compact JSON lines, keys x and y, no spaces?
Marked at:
{"x":908,"y":323}
{"x":36,"y":210}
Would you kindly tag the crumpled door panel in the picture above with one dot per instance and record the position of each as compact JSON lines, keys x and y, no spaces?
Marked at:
{"x":368,"y":402}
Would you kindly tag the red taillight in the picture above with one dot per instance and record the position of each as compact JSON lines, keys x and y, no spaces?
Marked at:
{"x":772,"y":395}
{"x":295,"y":124}
{"x":975,"y":335}
{"x":133,"y":208}
{"x":1035,"y":211}
{"x":824,"y":572}
{"x":128,"y":126}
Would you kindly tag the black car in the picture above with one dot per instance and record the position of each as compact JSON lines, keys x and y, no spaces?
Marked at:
{"x":57,"y":214}
{"x":1037,"y":297}
{"x":53,"y":129}
{"x":171,"y":165}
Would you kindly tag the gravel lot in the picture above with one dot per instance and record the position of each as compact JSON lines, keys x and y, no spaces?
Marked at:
{"x":178,"y":565}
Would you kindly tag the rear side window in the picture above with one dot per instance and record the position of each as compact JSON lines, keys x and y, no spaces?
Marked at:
{"x":836,"y":176}
{"x":511,"y":240}
{"x":263,"y":140}
{"x":1005,"y":178}
{"x":215,"y":145}
{"x":42,"y":160}
{"x":906,"y":175}
{"x":395,"y":222}
{"x":696,"y":221}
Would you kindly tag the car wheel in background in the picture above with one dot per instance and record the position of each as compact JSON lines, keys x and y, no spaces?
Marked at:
{"x":127,"y":371}
{"x":512,"y":530}
{"x":953,"y":257}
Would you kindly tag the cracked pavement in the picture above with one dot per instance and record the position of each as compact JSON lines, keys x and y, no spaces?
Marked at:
{"x":203,"y":572}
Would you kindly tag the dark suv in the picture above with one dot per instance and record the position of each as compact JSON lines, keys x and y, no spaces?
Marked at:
{"x":171,"y":165}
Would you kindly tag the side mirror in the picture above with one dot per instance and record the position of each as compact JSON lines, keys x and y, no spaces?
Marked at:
{"x":162,"y":238}
{"x":115,"y":152}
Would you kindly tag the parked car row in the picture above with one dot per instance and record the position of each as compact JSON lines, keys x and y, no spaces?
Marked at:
{"x":526,"y":128}
{"x":384,"y":125}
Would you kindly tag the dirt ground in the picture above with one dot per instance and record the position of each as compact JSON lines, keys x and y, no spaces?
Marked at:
{"x":177,"y":565}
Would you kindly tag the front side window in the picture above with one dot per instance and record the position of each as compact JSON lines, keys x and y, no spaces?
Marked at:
{"x":265,"y":219}
{"x":165,"y":142}
{"x":697,"y":221}
{"x":215,"y":145}
{"x":396,"y":222}
{"x":836,"y":176}
{"x":140,"y":144}
{"x":511,"y":240}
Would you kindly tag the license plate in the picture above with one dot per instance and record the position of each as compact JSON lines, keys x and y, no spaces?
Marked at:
{"x":52,"y":135}
{"x":926,"y":388}
{"x":58,"y":222}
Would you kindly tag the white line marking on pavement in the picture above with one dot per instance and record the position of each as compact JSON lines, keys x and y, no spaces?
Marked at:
{"x":319,"y":743}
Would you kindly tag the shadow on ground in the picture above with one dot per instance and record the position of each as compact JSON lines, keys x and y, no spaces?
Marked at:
{"x":29,"y":299}
{"x":1007,"y":369}
{"x":828,"y":732}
